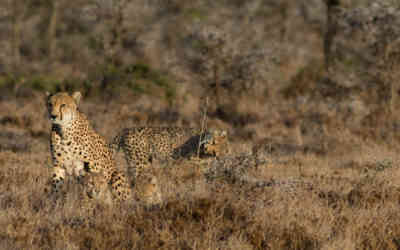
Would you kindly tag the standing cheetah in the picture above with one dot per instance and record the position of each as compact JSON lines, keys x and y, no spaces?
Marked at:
{"x":143,"y":144}
{"x":77,"y":149}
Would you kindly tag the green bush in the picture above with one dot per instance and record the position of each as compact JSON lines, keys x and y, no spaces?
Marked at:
{"x":140,"y":78}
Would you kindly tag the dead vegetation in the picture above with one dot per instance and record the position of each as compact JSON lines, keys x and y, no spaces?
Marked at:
{"x":314,"y":138}
{"x":276,"y":195}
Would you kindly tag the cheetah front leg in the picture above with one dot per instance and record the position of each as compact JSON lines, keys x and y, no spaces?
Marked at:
{"x":57,"y":156}
{"x":146,"y":186}
{"x":145,"y":183}
{"x":61,"y":168}
{"x":58,"y":178}
{"x":120,"y":187}
{"x":136,"y":152}
{"x":137,"y":164}
{"x":133,"y":160}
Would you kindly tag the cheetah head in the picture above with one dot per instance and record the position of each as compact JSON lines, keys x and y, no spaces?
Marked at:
{"x":62,"y":107}
{"x":215,"y":142}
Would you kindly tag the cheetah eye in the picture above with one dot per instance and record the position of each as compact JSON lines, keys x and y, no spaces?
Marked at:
{"x":62,"y":106}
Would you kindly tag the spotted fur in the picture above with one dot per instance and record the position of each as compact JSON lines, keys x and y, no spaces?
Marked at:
{"x":77,"y":150}
{"x":141,"y":145}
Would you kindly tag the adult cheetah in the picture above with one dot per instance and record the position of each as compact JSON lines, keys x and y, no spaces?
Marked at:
{"x":77,"y":149}
{"x":141,"y":145}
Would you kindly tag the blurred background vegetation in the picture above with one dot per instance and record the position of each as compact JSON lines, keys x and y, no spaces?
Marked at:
{"x":320,"y":58}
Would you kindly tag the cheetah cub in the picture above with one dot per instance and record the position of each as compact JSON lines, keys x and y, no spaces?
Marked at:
{"x":77,"y":150}
{"x":141,"y":145}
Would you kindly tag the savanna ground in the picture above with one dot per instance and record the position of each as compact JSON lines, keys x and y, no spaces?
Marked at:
{"x":312,"y":121}
{"x":344,"y":196}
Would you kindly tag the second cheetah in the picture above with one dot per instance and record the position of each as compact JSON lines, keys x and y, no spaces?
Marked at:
{"x":141,"y":145}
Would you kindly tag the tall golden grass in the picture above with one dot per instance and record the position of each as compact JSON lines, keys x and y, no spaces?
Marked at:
{"x":343,"y":196}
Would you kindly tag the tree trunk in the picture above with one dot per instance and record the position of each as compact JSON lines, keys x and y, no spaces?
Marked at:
{"x":284,"y":11}
{"x":16,"y":34}
{"x":330,"y":30}
{"x":51,"y":33}
{"x":217,"y":86}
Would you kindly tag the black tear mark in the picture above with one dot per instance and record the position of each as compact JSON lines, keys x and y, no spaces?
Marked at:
{"x":57,"y":128}
{"x":86,"y":166}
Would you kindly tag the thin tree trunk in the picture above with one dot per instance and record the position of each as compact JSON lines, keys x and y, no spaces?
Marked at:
{"x":331,"y":30}
{"x":51,"y":33}
{"x":217,"y":86}
{"x":16,"y":34}
{"x":284,"y":11}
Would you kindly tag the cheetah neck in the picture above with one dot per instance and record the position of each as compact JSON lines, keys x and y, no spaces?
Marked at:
{"x":56,"y":128}
{"x":79,"y":123}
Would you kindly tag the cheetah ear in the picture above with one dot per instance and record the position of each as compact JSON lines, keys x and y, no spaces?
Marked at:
{"x":48,"y":95}
{"x":77,"y":96}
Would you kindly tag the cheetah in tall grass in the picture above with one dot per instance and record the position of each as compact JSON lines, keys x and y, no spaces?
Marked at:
{"x":141,"y":145}
{"x":78,"y":150}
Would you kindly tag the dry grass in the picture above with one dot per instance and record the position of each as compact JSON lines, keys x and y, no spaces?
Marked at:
{"x":313,"y":158}
{"x":295,"y":199}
